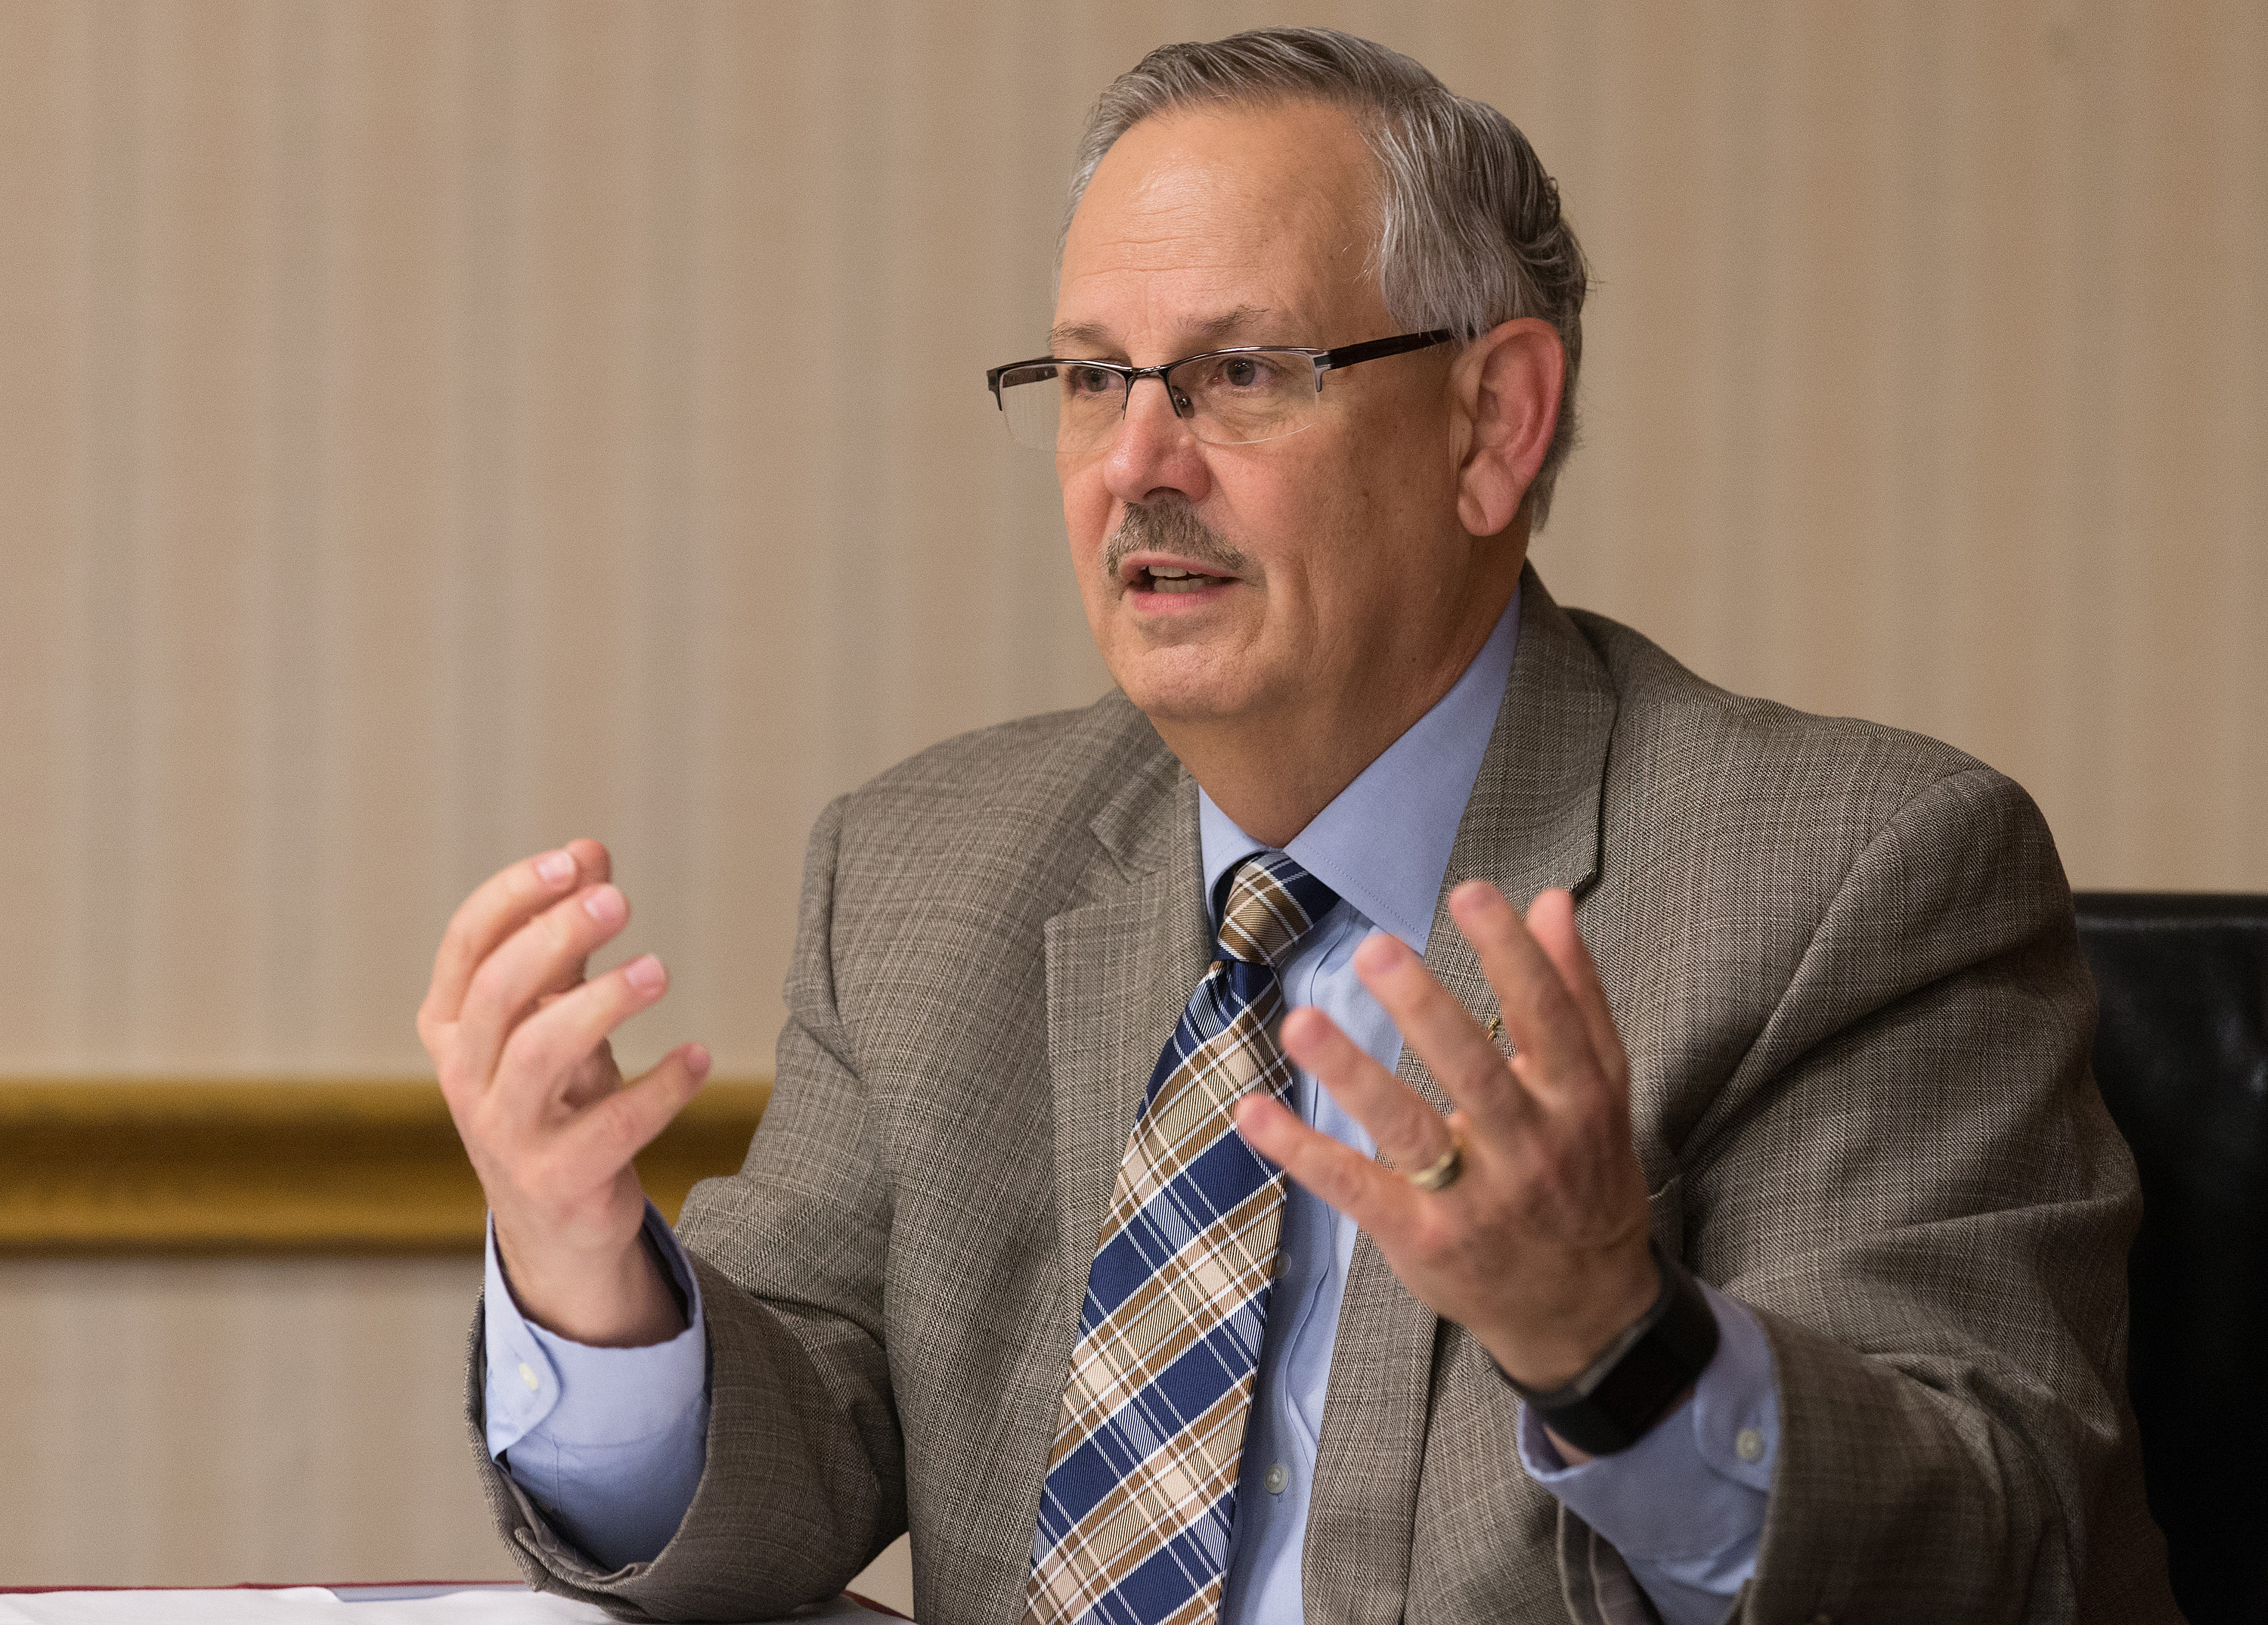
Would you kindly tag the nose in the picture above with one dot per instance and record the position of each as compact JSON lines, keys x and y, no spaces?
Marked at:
{"x":1154,"y":451}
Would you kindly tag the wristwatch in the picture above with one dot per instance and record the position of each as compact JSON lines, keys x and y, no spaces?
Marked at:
{"x":1614,"y":1401}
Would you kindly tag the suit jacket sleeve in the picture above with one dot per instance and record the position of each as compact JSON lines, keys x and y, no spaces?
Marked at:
{"x":804,"y":1482}
{"x":1912,"y":1178}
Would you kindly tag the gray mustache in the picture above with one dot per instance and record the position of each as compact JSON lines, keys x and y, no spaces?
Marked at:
{"x":1171,"y":527}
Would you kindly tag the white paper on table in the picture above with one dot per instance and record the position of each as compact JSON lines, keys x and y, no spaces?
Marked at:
{"x":313,"y":1605}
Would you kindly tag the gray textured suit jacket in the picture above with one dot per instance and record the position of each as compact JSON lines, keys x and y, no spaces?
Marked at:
{"x":1843,"y":961}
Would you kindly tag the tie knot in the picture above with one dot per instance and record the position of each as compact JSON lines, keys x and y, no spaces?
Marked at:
{"x":1272,"y":903}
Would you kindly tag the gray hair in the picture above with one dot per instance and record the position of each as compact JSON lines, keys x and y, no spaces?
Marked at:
{"x":1471,"y":235}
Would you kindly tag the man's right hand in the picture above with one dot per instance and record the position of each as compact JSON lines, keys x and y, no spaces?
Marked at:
{"x":519,"y":1038}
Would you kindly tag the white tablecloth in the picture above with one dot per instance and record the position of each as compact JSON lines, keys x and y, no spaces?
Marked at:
{"x":316,"y":1604}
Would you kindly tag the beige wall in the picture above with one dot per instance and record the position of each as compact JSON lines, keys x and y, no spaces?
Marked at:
{"x":210,"y":1421}
{"x":428,"y":430}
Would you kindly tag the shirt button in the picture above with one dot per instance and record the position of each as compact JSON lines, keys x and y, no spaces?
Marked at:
{"x":1276,"y":1478}
{"x":1749,"y":1444}
{"x":527,"y":1375}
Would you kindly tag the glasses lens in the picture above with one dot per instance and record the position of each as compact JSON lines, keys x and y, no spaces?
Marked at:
{"x":1059,"y":404}
{"x":1245,"y":396}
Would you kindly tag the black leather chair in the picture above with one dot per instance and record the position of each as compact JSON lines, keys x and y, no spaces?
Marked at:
{"x":2181,"y":1057}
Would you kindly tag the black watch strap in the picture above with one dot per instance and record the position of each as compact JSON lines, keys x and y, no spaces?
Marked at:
{"x":1615,"y":1401}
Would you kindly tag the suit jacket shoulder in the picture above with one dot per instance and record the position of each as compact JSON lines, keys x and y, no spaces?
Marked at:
{"x":1843,"y":962}
{"x":1014,"y":804}
{"x":1708,"y":748}
{"x":1046,"y":767}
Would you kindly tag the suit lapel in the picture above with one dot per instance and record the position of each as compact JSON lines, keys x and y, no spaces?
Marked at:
{"x":1119,"y":971}
{"x":1533,"y":822}
{"x":1120,"y":965}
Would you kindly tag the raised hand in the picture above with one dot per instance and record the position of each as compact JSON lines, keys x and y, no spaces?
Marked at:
{"x":519,"y":1038}
{"x":1539,"y":1245}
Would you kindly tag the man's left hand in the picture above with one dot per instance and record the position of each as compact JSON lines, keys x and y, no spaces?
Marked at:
{"x":1539,"y":1246}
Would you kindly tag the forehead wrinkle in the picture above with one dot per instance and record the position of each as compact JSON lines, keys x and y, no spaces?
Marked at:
{"x":1229,"y":324}
{"x":1199,"y":228}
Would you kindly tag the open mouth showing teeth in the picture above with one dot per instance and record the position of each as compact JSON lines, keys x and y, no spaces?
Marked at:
{"x":1159,"y":578}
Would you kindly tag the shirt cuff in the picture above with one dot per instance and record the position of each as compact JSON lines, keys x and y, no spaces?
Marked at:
{"x":1684,"y":1505}
{"x":579,"y":1395}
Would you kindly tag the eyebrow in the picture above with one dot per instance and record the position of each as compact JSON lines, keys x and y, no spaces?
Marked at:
{"x":1212,"y":329}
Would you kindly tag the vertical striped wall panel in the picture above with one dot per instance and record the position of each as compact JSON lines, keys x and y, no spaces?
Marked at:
{"x":432,"y":430}
{"x":208,"y":1421}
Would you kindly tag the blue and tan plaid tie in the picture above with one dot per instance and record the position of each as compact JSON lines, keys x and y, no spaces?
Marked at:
{"x":1141,"y":1486}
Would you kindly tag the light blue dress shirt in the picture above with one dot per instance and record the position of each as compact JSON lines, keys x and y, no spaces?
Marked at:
{"x":609,"y":1440}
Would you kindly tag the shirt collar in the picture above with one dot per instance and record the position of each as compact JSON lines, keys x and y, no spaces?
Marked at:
{"x":1383,"y":843}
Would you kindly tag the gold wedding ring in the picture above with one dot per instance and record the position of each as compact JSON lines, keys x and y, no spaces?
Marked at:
{"x":1444,"y":1173}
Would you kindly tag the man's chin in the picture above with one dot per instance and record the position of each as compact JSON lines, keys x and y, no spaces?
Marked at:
{"x":1190,"y":686}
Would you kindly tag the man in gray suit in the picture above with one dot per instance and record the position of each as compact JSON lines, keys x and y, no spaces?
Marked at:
{"x":1736,"y":1232}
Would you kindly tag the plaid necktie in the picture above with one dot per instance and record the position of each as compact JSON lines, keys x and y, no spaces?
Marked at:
{"x":1141,"y":1485}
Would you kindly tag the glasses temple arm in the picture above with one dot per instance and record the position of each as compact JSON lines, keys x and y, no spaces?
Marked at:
{"x":1347,"y":355}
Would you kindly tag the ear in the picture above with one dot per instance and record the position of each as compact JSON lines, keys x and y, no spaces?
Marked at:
{"x":1504,"y":391}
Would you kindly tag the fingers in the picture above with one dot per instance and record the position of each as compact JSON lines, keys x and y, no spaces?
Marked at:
{"x":1551,"y":922}
{"x":1401,"y":1122}
{"x":1377,"y":1199}
{"x":1555,"y":1010}
{"x":544,"y":1059}
{"x":544,"y":954}
{"x":1436,"y":1024}
{"x":592,"y":1078}
{"x":606,"y":1136}
{"x":593,"y":859}
{"x":499,"y":907}
{"x":1540,"y":1015}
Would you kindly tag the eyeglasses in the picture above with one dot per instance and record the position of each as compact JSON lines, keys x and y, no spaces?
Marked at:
{"x":1228,"y":397}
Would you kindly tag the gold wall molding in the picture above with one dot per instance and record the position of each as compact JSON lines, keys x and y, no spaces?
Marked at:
{"x":137,"y":1165}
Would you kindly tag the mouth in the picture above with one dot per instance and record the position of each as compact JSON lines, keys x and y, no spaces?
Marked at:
{"x":1164,"y":560}
{"x":1171,"y":578}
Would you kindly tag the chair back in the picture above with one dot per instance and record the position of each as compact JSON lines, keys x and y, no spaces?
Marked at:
{"x":2182,"y":1058}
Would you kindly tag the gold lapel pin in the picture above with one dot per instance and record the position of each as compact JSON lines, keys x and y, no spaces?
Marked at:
{"x":1496,"y":1034}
